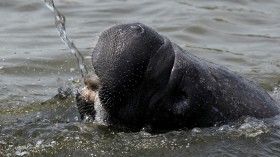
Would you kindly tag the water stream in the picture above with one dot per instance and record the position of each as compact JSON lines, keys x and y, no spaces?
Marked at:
{"x":60,"y":25}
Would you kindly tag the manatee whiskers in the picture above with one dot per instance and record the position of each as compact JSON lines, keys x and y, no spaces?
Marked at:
{"x":92,"y":82}
{"x":87,"y":97}
{"x":87,"y":94}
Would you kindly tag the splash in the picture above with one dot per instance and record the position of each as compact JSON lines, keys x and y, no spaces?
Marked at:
{"x":60,"y":25}
{"x":275,"y":94}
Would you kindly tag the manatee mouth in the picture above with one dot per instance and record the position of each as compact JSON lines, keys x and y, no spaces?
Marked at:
{"x":85,"y":99}
{"x":89,"y":92}
{"x":87,"y":96}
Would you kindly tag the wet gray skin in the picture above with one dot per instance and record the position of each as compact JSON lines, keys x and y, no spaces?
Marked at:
{"x":148,"y":81}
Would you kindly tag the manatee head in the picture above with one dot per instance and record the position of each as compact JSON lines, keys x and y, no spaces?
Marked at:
{"x":120,"y":60}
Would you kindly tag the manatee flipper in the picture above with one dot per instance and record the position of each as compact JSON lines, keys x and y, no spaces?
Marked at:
{"x":164,"y":109}
{"x":160,"y":66}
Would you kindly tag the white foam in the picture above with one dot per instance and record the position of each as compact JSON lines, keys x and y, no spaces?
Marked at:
{"x":275,"y":94}
{"x":101,"y":115}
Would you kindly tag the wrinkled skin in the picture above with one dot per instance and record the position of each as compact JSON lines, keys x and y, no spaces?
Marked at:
{"x":148,"y":81}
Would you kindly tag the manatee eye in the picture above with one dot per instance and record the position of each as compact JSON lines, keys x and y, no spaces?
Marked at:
{"x":138,"y":28}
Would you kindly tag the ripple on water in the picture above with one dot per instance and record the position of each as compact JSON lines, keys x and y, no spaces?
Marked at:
{"x":62,"y":139}
{"x":241,"y":35}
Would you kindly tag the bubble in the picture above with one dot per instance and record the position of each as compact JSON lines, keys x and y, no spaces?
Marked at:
{"x":253,"y":127}
{"x":38,"y":115}
{"x":196,"y":130}
{"x":225,"y":128}
{"x":38,"y":144}
{"x":275,"y":94}
{"x":21,"y":150}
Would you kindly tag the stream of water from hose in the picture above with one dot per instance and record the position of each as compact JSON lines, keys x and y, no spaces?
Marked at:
{"x":60,"y":25}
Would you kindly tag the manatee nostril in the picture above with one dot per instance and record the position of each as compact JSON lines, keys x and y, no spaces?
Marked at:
{"x":138,"y":28}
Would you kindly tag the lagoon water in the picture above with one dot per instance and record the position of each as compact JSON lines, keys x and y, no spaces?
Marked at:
{"x":38,"y":75}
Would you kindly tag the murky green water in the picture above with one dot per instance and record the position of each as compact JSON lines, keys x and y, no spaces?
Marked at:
{"x":243,"y":35}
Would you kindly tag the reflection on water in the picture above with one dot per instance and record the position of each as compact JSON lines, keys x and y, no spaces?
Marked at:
{"x":37,"y":119}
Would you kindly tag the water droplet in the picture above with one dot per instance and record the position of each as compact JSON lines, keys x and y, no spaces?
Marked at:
{"x":38,"y":144}
{"x":196,"y":130}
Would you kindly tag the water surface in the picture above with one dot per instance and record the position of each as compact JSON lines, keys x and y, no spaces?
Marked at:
{"x":38,"y":120}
